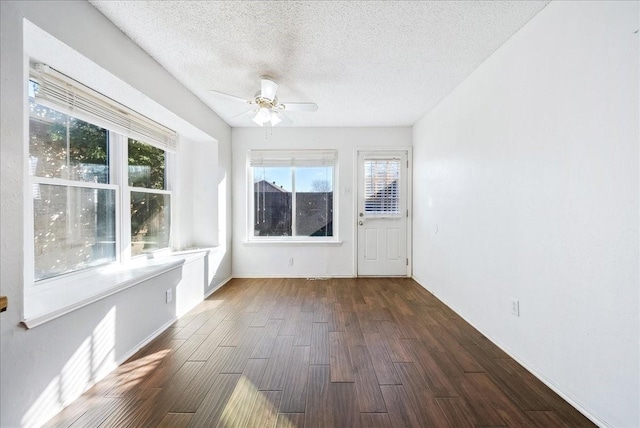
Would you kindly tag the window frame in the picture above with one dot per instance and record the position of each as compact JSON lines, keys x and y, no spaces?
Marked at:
{"x":169,"y":168}
{"x":250,"y":233}
{"x":118,"y":182}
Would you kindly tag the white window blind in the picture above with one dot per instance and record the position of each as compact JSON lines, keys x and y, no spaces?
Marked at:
{"x":60,"y":92}
{"x":292,"y":158}
{"x":382,"y":186}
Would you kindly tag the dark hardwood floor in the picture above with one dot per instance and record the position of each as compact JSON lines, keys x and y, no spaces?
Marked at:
{"x":334,"y":353}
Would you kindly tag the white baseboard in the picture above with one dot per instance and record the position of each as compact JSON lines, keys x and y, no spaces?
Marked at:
{"x":252,"y":275}
{"x":146,"y":341}
{"x":217,"y":287}
{"x":579,"y":407}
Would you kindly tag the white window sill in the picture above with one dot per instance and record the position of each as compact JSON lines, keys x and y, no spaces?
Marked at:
{"x":294,"y":242}
{"x":67,"y":293}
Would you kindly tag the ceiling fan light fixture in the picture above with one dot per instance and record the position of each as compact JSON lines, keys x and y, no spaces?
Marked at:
{"x":275,"y":119}
{"x":262,"y":116}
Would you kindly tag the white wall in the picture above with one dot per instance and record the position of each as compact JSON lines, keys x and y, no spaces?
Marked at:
{"x":48,"y":366}
{"x":309,"y":259}
{"x":526,"y":187}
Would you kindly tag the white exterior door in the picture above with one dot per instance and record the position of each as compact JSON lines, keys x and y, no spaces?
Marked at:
{"x":382,"y":213}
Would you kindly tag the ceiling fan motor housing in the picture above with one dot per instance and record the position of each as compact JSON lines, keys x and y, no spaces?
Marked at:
{"x":264,"y":102}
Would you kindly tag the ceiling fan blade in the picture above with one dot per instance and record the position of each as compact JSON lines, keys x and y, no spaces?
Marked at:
{"x":300,"y":106}
{"x":251,"y":110}
{"x":268,"y":89}
{"x":231,"y":97}
{"x":285,"y":119}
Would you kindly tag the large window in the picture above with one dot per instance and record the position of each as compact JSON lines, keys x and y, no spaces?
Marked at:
{"x":84,"y":169}
{"x":292,"y":194}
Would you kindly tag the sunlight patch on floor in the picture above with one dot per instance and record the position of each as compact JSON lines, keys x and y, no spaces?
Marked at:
{"x":251,"y":406}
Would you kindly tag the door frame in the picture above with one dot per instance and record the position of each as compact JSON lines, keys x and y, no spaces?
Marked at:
{"x":354,"y":198}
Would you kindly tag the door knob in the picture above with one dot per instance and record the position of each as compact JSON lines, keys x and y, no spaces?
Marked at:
{"x":361,"y":222}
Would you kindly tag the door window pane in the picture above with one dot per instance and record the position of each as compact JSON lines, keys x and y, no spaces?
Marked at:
{"x":381,"y":191}
{"x":61,"y":146}
{"x":74,"y":228}
{"x":150,"y":213}
{"x":146,"y":166}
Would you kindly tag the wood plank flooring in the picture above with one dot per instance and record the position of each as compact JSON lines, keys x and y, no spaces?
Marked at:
{"x":376,"y":352}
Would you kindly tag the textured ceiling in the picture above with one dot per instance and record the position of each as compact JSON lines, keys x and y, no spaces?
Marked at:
{"x":367,"y":63}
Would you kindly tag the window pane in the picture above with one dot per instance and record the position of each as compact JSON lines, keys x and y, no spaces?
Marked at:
{"x":150,"y":218}
{"x":272,"y":201}
{"x":74,"y":228}
{"x":314,"y":201}
{"x":61,"y":146}
{"x":381,"y":187}
{"x":146,"y":166}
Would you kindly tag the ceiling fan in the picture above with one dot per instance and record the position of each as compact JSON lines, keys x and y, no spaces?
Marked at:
{"x":265,"y":105}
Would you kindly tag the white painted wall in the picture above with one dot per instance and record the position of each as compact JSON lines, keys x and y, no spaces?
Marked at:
{"x":309,"y":259}
{"x":43,"y":369}
{"x":526,"y":187}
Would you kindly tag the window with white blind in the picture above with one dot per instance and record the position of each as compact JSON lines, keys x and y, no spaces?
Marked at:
{"x":292,"y":194}
{"x":382,"y":191}
{"x":90,"y":159}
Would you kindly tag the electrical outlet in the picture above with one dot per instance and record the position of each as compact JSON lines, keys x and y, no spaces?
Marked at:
{"x":291,"y":261}
{"x":515,"y":307}
{"x":169,"y":295}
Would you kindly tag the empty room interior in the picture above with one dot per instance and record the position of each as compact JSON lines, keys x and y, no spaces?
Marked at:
{"x":320,"y":213}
